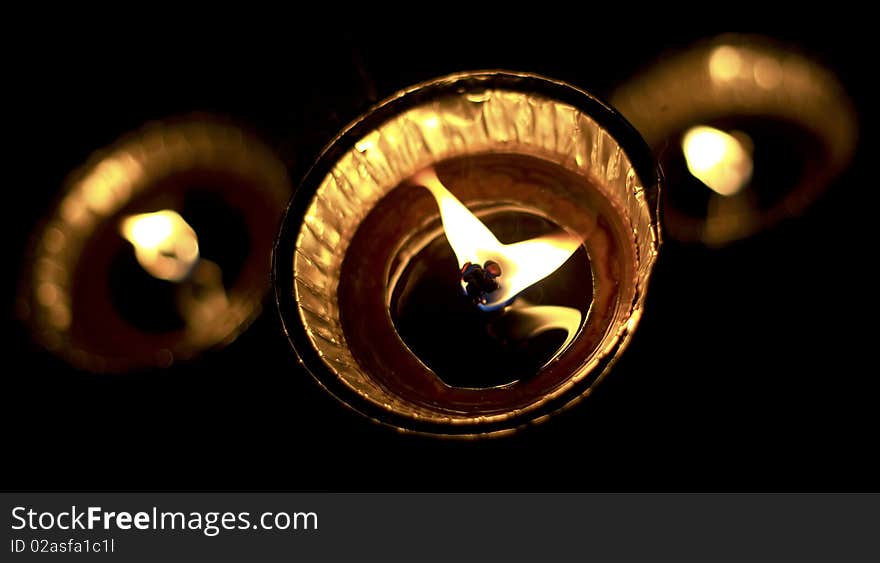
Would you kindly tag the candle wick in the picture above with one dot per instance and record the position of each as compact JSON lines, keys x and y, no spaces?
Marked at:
{"x":480,"y":281}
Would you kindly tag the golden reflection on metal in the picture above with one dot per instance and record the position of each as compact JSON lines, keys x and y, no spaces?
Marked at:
{"x":164,"y":243}
{"x":523,"y":263}
{"x":768,"y":73}
{"x":734,"y":76}
{"x":110,"y":190}
{"x":471,"y":122}
{"x":717,"y":159}
{"x":725,"y":63}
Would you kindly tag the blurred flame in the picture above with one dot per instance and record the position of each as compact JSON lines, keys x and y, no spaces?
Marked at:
{"x":717,"y":159}
{"x":203,"y":297}
{"x":522,"y":264}
{"x":164,"y":244}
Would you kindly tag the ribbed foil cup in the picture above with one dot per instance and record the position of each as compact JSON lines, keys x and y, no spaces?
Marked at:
{"x":736,"y":80}
{"x":470,"y":113}
{"x":67,"y":295}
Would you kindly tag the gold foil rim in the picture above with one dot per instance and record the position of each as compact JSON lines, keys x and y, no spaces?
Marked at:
{"x":101,"y":188}
{"x":489,"y":120}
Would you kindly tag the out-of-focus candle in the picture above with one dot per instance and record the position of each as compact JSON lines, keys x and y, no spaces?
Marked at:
{"x":749,"y":131}
{"x":158,"y":248}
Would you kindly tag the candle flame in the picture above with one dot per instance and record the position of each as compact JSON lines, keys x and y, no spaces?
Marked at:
{"x":528,"y":321}
{"x":522,"y":263}
{"x":717,"y":159}
{"x":164,"y":244}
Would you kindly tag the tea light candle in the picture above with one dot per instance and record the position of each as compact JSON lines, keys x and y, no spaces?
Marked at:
{"x":158,"y":248}
{"x":471,"y":255}
{"x":749,"y":131}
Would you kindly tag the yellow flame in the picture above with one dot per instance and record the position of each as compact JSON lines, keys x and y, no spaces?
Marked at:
{"x":164,"y":244}
{"x":717,"y":159}
{"x":522,"y":264}
{"x":531,"y":320}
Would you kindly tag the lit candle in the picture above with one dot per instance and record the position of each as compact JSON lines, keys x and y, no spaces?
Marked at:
{"x":749,"y":131}
{"x":553,"y":273}
{"x":157,"y":249}
{"x":471,"y":255}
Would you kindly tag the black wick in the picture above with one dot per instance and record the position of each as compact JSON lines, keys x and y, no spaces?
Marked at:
{"x":480,"y":280}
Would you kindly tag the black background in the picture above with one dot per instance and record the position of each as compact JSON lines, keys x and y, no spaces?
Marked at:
{"x":752,"y":368}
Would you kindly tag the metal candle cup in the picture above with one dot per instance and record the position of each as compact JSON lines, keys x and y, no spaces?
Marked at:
{"x":528,"y":156}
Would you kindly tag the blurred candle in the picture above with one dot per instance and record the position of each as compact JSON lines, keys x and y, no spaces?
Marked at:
{"x":158,"y":248}
{"x":749,"y":132}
